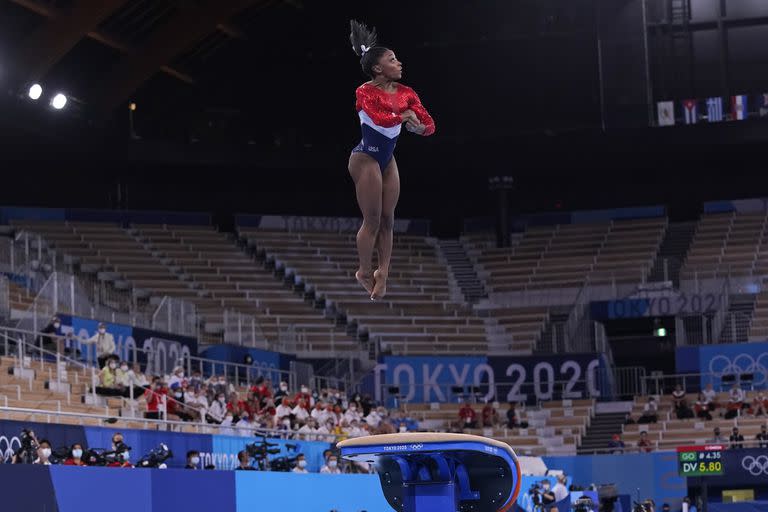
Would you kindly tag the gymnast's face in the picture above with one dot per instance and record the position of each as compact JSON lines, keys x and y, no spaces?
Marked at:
{"x":389,"y":67}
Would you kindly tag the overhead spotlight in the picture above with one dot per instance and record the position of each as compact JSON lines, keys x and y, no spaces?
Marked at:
{"x":35,"y":91}
{"x":59,"y":101}
{"x":132,"y":106}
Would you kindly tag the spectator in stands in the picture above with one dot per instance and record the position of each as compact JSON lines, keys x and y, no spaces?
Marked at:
{"x":759,"y":405}
{"x":236,"y":406}
{"x":512,"y":419}
{"x":331,"y":466}
{"x":176,"y":406}
{"x":717,"y":438}
{"x":105,"y":344}
{"x":683,"y":411}
{"x":644,"y":444}
{"x":762,"y":437}
{"x":108,"y":385}
{"x":711,"y":396}
{"x":218,"y":410}
{"x":262,"y":388}
{"x":219,"y":385}
{"x":325,"y":432}
{"x":244,"y":462}
{"x":196,"y":403}
{"x":467,"y":416}
{"x":735,"y":402}
{"x":352,"y":414}
{"x":301,"y":464}
{"x":177,"y":379}
{"x":650,"y":412}
{"x":374,"y":418}
{"x":268,"y":413}
{"x":43,"y":453}
{"x":678,"y":395}
{"x":155,"y":398}
{"x":616,"y":445}
{"x":490,"y":414}
{"x":246,"y":427}
{"x":133,"y":383}
{"x":75,"y":456}
{"x":193,"y":459}
{"x":309,"y":431}
{"x":319,"y":413}
{"x":300,"y":412}
{"x":305,"y":395}
{"x":196,"y":380}
{"x":736,"y":440}
{"x":404,"y":423}
{"x":283,"y":411}
{"x":281,"y":392}
{"x":355,"y":430}
{"x":702,"y":407}
{"x":52,"y":338}
{"x":691,"y":506}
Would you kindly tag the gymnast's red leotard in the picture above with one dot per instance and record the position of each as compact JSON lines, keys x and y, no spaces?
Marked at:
{"x":380,"y":121}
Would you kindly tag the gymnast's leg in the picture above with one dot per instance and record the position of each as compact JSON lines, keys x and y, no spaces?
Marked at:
{"x":390,"y":195}
{"x":367,"y":177}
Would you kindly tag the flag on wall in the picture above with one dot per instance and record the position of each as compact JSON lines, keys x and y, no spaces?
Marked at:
{"x":739,"y":107}
{"x":666,"y":113}
{"x":764,"y":105}
{"x":714,"y":109}
{"x":691,"y":111}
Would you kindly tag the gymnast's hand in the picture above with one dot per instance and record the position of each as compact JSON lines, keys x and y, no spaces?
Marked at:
{"x":416,"y":127}
{"x":408,"y":116}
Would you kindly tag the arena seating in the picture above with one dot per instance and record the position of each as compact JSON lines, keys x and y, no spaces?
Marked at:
{"x":569,"y":255}
{"x":423,"y":312}
{"x":554,"y":428}
{"x":670,"y":432}
{"x":727,"y":244}
{"x":202,"y":266}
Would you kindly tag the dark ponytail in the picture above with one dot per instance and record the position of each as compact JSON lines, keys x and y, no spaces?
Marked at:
{"x":364,"y":45}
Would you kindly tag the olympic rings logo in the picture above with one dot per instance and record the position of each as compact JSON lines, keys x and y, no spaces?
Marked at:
{"x":743,"y":363}
{"x":417,"y":446}
{"x":7,"y":448}
{"x":755,"y":465}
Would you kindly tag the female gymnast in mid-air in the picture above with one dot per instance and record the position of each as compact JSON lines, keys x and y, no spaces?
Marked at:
{"x":383,"y":105}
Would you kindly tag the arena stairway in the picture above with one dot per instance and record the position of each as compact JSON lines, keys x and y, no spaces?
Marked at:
{"x":463,"y":270}
{"x":600,"y":430}
{"x":674,"y":246}
{"x":737,"y":323}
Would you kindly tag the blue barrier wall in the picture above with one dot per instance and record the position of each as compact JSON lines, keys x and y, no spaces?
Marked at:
{"x":654,"y":474}
{"x":265,"y":362}
{"x":714,"y":361}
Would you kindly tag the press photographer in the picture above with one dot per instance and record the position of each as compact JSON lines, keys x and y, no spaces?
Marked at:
{"x":27,"y":452}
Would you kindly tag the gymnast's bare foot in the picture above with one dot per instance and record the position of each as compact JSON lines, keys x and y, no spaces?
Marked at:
{"x":380,"y":286}
{"x":365,"y":280}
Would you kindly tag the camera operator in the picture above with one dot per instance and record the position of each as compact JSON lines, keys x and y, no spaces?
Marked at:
{"x":245,"y":461}
{"x":43,"y":453}
{"x":548,"y":499}
{"x":75,"y":456}
{"x":121,"y":455}
{"x":27,"y":452}
{"x":193,"y":459}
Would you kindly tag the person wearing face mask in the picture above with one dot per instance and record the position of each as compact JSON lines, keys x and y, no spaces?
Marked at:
{"x":373,"y":419}
{"x":282,"y":392}
{"x":331,"y":466}
{"x":105,"y":344}
{"x":75,"y":456}
{"x":352,"y":414}
{"x":304,"y":395}
{"x":108,"y":385}
{"x":245,"y":462}
{"x":284,"y":410}
{"x":218,"y":410}
{"x":155,"y":399}
{"x":300,"y":413}
{"x":176,"y":406}
{"x":547,"y":496}
{"x":122,"y":455}
{"x":193,"y":460}
{"x":43,"y":453}
{"x":301,"y":464}
{"x":51,"y":336}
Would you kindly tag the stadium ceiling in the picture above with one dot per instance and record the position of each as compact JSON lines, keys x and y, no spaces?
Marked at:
{"x":144,"y":36}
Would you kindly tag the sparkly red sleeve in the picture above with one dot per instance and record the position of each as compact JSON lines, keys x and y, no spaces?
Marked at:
{"x":414,"y":103}
{"x":368,"y":101}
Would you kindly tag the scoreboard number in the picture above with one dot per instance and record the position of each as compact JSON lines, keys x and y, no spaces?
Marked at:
{"x":700,"y":460}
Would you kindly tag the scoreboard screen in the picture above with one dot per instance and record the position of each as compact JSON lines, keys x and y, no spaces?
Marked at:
{"x":700,"y":460}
